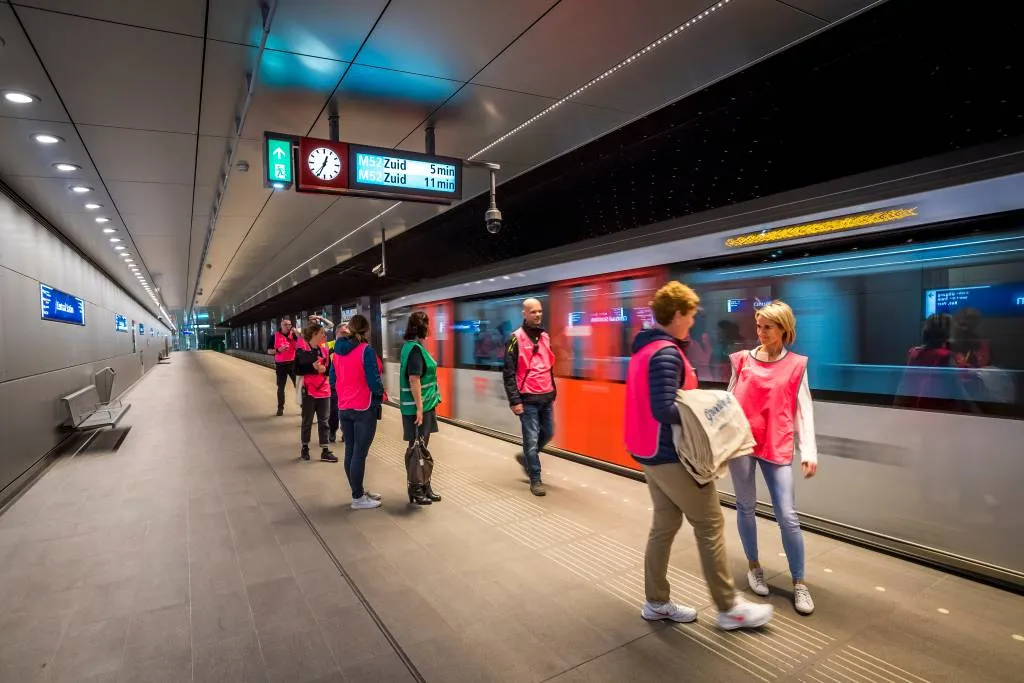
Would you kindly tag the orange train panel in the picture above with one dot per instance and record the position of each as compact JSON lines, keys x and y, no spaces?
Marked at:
{"x":589,"y":420}
{"x":447,"y":388}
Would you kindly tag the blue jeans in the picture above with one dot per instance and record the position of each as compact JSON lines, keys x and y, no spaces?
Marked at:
{"x":358,"y":427}
{"x":779,"y":479}
{"x":538,"y":421}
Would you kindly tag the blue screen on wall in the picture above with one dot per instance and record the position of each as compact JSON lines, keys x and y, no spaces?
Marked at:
{"x":992,"y":300}
{"x":120,"y":322}
{"x":60,"y":306}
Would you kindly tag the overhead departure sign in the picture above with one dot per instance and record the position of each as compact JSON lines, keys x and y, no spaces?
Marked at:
{"x":394,"y":173}
{"x":278,"y":160}
{"x":60,"y":306}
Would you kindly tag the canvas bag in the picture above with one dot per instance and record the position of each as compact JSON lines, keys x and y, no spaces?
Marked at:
{"x":714,"y":431}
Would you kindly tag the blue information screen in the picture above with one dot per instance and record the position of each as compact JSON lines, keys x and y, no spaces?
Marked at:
{"x":120,"y":322}
{"x":394,"y":172}
{"x":60,"y":306}
{"x":994,"y":300}
{"x":142,"y":329}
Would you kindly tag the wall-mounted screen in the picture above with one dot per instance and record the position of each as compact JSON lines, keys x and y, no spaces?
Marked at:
{"x":120,"y":322}
{"x":60,"y":306}
{"x":142,"y":329}
{"x":990,"y":300}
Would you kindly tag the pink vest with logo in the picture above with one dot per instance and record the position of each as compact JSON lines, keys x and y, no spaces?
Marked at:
{"x":353,"y":390}
{"x":288,"y":355}
{"x":767,"y":392}
{"x":317,"y":385}
{"x":533,"y":372}
{"x":642,"y":430}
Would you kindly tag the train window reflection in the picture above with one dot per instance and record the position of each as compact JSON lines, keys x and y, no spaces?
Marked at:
{"x":483,"y":327}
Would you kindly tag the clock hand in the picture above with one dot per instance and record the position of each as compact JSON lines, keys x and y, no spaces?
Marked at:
{"x":322,"y":166}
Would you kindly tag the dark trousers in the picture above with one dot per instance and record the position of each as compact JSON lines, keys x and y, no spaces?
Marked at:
{"x":538,"y":422}
{"x":358,"y":427}
{"x":335,"y":419}
{"x":284,"y":371}
{"x":321,"y":407}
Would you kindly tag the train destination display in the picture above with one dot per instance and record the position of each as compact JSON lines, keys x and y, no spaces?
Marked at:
{"x":60,"y":306}
{"x":404,"y":173}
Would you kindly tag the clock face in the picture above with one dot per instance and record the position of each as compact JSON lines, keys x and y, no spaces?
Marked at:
{"x":324,"y":163}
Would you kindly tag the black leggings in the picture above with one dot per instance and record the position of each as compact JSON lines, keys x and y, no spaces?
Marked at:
{"x":284,"y":371}
{"x":322,"y":408}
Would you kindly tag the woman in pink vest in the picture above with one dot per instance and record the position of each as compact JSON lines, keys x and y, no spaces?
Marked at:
{"x":360,"y":394}
{"x":658,"y":368}
{"x":771,"y":385}
{"x":316,"y":391}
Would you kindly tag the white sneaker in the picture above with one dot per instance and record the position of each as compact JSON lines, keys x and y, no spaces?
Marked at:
{"x":668,"y":611}
{"x":755,"y":578}
{"x":802,"y":599}
{"x":372,"y":495}
{"x":745,"y":615}
{"x":365,"y":503}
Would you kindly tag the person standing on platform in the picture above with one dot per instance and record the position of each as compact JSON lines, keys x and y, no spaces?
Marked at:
{"x":282,"y":348}
{"x":419,"y":396}
{"x":530,"y":386}
{"x":770,"y":384}
{"x":360,"y":394}
{"x":339,"y":332}
{"x":658,"y":368}
{"x":316,"y":389}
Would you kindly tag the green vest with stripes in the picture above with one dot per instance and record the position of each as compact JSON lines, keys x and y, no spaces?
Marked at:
{"x":428,"y":382}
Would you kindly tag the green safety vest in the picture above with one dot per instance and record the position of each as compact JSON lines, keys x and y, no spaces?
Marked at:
{"x":431,"y":396}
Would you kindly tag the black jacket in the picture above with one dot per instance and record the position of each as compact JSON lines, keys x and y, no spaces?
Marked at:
{"x":512,"y":364}
{"x":664,"y":378}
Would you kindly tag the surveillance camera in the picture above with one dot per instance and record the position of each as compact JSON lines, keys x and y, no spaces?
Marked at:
{"x":378,"y":270}
{"x":492,"y":219}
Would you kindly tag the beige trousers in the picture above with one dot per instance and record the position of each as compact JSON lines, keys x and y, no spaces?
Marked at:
{"x":675,"y":494}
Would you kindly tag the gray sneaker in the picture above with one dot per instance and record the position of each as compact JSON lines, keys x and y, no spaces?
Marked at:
{"x":537,"y":488}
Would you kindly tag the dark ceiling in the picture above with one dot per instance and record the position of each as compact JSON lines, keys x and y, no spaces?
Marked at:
{"x":890,"y":86}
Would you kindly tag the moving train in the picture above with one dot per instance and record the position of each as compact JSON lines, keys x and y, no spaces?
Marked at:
{"x":917,"y":457}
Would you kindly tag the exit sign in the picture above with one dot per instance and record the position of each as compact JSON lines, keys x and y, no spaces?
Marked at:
{"x":278,"y":160}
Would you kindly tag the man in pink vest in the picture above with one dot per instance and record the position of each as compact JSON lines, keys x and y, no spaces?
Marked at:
{"x":530,"y":385}
{"x":282,"y":348}
{"x":658,"y":368}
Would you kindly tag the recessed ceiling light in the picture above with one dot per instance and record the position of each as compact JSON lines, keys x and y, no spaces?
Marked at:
{"x":125,"y":255}
{"x":46,"y":139}
{"x":102,"y":219}
{"x":67,"y":168}
{"x":115,"y":239}
{"x":109,"y":231}
{"x":20,"y":97}
{"x":81,"y":189}
{"x":128,"y":260}
{"x":92,"y":206}
{"x":119,"y":248}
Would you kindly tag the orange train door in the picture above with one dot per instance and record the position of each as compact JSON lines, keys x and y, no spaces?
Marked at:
{"x":441,"y":345}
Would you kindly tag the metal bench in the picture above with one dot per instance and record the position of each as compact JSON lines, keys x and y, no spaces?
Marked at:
{"x":90,"y":409}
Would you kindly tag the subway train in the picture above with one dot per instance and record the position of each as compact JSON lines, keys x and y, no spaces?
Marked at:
{"x":909,"y":296}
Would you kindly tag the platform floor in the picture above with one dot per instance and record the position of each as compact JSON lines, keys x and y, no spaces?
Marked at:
{"x":205,"y":550}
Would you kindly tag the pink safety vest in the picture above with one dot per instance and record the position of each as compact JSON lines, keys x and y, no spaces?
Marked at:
{"x":288,"y":355}
{"x":642,"y":430}
{"x":353,"y":389}
{"x":767,"y":392}
{"x":533,"y":371}
{"x":317,"y":385}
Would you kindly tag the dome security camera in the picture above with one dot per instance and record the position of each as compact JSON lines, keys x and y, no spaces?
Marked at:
{"x":492,"y":220}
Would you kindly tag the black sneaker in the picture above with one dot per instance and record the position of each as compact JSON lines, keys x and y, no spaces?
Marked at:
{"x":305,"y":453}
{"x":280,"y":412}
{"x":327,"y":456}
{"x":333,"y":437}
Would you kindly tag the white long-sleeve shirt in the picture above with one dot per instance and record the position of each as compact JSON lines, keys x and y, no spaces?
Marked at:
{"x":806,"y":444}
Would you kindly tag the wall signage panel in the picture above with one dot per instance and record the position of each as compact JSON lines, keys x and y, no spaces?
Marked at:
{"x":120,"y":322}
{"x":61,"y":307}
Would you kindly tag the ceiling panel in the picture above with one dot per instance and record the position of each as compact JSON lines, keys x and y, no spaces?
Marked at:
{"x":165,"y":255}
{"x":475,"y":117}
{"x":452,"y":39}
{"x":141,"y":156}
{"x":245,"y":194}
{"x":157,"y":224}
{"x":180,"y":16}
{"x":22,"y":71}
{"x":579,"y":39}
{"x":224,"y":86}
{"x":740,"y":33}
{"x":156,"y":201}
{"x":212,"y":158}
{"x":832,"y":10}
{"x":118,"y":75}
{"x":21,"y":155}
{"x":323,"y":28}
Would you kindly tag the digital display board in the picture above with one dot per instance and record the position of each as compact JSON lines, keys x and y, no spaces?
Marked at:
{"x":397,"y":173}
{"x":60,"y":306}
{"x":142,"y":329}
{"x":742,"y":305}
{"x":120,"y":322}
{"x":994,"y":300}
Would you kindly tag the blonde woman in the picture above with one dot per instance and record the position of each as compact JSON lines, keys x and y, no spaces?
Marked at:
{"x":771,"y":385}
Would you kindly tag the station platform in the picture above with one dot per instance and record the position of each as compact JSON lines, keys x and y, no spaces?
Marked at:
{"x":204,"y":549}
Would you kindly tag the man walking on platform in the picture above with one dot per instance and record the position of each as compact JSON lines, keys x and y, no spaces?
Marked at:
{"x":530,"y":385}
{"x":282,"y":348}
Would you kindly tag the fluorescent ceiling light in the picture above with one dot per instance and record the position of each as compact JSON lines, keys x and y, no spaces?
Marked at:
{"x":92,"y":206}
{"x":46,"y":139}
{"x":119,"y":248}
{"x":81,"y":189}
{"x":115,"y":239}
{"x":16,"y":97}
{"x":66,"y":168}
{"x":109,"y":231}
{"x":102,"y":219}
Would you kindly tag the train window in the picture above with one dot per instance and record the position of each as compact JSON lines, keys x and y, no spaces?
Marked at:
{"x":483,"y":326}
{"x":438,"y":341}
{"x":936,"y":326}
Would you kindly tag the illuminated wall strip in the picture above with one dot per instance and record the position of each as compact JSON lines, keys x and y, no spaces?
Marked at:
{"x":841,"y":224}
{"x":322,"y":251}
{"x":629,"y":60}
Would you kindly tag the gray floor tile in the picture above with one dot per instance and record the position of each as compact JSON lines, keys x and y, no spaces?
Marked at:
{"x":166,"y":668}
{"x":237,"y":659}
{"x":91,"y":649}
{"x":279,"y":607}
{"x":298,"y":657}
{"x":222,"y":616}
{"x":352,"y":635}
{"x":263,"y":564}
{"x":160,"y":633}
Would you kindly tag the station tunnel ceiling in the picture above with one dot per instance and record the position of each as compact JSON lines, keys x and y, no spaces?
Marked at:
{"x":873,"y":92}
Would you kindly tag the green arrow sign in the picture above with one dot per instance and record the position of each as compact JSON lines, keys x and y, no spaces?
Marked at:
{"x":278,"y":161}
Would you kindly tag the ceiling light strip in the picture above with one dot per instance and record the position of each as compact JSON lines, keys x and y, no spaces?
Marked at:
{"x":626,"y":62}
{"x":321,"y":252}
